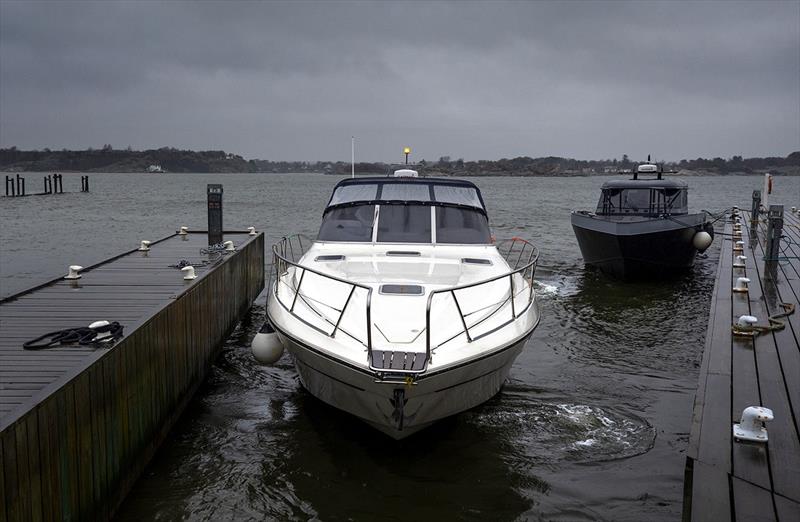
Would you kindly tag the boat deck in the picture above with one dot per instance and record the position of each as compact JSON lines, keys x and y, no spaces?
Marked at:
{"x":728,"y":479}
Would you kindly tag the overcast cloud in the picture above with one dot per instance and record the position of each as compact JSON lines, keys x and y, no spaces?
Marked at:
{"x":474,"y":80}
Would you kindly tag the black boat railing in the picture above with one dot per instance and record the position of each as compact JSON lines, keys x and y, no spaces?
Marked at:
{"x":520,"y":255}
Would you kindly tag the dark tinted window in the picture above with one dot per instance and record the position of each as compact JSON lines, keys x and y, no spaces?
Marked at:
{"x":404,"y":224}
{"x":459,"y":225}
{"x":348,"y":224}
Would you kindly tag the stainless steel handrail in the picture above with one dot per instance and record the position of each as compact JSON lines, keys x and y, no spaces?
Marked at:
{"x":530,"y":265}
{"x":281,"y":262}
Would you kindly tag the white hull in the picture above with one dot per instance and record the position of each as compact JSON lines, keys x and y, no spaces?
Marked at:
{"x":398,"y":409}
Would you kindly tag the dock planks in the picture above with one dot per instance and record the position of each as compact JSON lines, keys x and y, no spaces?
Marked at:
{"x":78,"y":424}
{"x":727,"y":479}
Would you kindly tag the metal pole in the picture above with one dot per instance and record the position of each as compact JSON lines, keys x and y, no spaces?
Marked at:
{"x":756,"y":208}
{"x":19,"y":185}
{"x":352,"y":156}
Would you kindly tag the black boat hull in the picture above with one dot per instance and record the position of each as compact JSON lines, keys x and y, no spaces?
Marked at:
{"x":639,"y":249}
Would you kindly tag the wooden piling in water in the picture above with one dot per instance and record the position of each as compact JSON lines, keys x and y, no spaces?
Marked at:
{"x":79,"y":424}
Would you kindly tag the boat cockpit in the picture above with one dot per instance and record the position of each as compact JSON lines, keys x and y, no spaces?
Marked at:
{"x":643,"y":198}
{"x":405,"y":210}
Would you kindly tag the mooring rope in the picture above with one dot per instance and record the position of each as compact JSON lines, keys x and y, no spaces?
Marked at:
{"x":775,"y":324}
{"x":83,"y":336}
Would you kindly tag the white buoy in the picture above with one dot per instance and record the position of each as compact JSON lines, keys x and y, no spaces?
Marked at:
{"x":751,"y":428}
{"x":252,"y":231}
{"x":741,"y":284}
{"x":144,"y":246}
{"x":746,"y":321}
{"x":188,"y":273}
{"x":702,"y":240}
{"x":183,"y":231}
{"x":73,"y":272}
{"x":267,"y":347}
{"x":739,"y":263}
{"x":229,"y":246}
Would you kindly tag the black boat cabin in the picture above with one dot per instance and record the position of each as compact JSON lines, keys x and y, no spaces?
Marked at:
{"x":643,"y":197}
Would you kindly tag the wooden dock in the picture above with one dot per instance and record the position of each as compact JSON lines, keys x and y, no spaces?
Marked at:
{"x":78,"y":424}
{"x":733,"y":480}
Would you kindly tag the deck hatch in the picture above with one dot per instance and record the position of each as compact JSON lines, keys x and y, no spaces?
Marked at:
{"x":329,"y":258}
{"x":403,"y":253}
{"x":475,"y":261}
{"x":402,"y":289}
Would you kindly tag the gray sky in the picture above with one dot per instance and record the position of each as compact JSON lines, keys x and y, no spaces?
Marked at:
{"x":473,"y":80}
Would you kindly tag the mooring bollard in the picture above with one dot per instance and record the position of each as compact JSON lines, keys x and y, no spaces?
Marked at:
{"x":10,"y":182}
{"x":20,"y":185}
{"x":59,"y":188}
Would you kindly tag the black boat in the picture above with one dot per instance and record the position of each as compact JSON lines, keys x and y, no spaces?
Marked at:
{"x":642,"y":227}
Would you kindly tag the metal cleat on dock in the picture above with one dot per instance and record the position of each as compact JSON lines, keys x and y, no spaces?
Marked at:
{"x":751,"y":427}
{"x":741,"y":285}
{"x":73,"y":272}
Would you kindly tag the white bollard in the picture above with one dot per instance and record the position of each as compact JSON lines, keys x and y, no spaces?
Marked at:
{"x":252,"y":231}
{"x":229,"y":246}
{"x":183,"y":231}
{"x":188,"y":273}
{"x":144,"y":246}
{"x":741,"y":284}
{"x":73,"y":272}
{"x":751,"y":427}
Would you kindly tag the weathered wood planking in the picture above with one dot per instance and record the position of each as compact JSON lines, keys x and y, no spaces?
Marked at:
{"x":728,"y":480}
{"x":78,"y":425}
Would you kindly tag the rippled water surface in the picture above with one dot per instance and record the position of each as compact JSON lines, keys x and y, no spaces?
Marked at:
{"x":593,"y":423}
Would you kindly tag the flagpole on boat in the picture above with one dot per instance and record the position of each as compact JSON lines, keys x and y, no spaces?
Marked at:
{"x":352,"y":156}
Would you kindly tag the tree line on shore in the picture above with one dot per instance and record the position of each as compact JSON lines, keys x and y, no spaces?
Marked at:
{"x":108,"y":159}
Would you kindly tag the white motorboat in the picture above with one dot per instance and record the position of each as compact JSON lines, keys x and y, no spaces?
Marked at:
{"x":404,"y":310}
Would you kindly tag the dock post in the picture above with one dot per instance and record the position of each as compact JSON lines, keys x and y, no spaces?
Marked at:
{"x":49,"y":189}
{"x":59,"y":183}
{"x":772,"y":250}
{"x":214,"y":192}
{"x":20,"y":190}
{"x":10,"y":182}
{"x":756,"y":208}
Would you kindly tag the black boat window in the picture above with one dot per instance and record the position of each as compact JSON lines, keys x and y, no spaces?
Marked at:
{"x":404,"y":224}
{"x":609,"y":201}
{"x":636,"y":201}
{"x":348,"y":224}
{"x":461,"y":226}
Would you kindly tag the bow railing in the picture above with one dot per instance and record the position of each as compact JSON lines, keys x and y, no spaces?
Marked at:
{"x":521,"y":256}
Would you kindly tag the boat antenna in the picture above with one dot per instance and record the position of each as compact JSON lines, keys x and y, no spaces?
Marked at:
{"x":352,"y":156}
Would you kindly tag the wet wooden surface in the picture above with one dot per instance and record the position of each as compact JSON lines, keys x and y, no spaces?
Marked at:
{"x":728,"y":479}
{"x":78,"y":424}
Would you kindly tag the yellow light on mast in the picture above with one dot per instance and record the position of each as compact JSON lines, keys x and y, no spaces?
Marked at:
{"x":407,"y":150}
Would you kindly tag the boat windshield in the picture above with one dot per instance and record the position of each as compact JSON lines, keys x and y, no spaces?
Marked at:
{"x":406,"y":191}
{"x":405,"y":223}
{"x":643,"y":201}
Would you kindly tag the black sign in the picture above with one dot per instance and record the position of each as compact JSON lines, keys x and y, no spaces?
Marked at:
{"x":214,"y":193}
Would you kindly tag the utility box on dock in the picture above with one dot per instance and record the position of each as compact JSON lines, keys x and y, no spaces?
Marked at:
{"x":214,"y":193}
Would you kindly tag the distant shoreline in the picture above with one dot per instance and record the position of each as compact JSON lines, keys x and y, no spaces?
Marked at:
{"x":167,"y":160}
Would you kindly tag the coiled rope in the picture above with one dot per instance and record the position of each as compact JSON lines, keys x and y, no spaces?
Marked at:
{"x":103,"y":335}
{"x":775,"y":324}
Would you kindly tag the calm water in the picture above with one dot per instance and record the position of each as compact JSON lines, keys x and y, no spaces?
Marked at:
{"x":592,"y":425}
